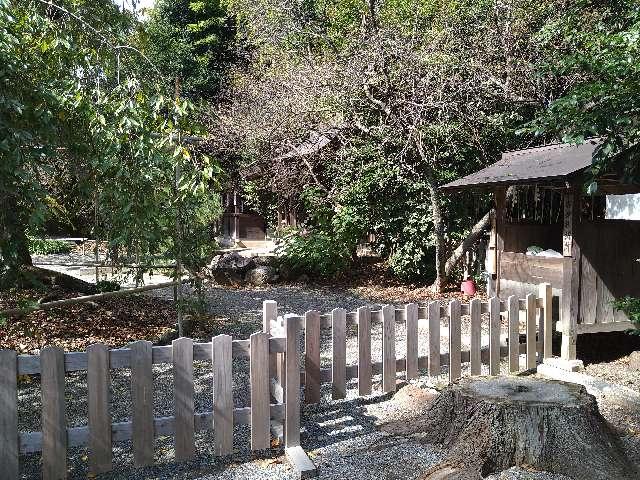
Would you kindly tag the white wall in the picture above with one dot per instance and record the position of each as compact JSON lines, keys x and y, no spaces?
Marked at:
{"x":623,"y":207}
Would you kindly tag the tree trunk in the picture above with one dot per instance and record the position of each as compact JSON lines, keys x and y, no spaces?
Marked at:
{"x":438,"y":232}
{"x":488,"y":425}
{"x":458,"y":254}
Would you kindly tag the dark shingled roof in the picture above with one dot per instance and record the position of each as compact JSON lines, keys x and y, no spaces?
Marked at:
{"x":533,"y":165}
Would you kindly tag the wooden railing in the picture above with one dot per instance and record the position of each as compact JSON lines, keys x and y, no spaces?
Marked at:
{"x":276,"y":377}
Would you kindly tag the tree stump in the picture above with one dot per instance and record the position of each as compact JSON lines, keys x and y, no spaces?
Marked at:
{"x":489,"y":424}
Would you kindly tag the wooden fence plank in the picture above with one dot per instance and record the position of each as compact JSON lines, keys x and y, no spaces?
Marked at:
{"x":531,"y":331}
{"x":475,"y":312}
{"x":292,"y":384}
{"x":339,"y":353}
{"x":259,"y":380}
{"x":269,"y":314}
{"x":455,"y":341}
{"x":142,"y":400}
{"x":312,"y":356}
{"x":364,"y":351}
{"x":494,"y":336}
{"x":183,"y":392}
{"x":222,"y":394}
{"x":513,"y":312}
{"x":98,"y":395}
{"x":546,"y":295}
{"x":434,"y":338}
{"x":388,"y":349}
{"x":54,"y":429}
{"x":9,"y":452}
{"x":411,"y":313}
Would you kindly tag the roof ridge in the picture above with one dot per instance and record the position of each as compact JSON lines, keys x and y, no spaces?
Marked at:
{"x":550,"y":146}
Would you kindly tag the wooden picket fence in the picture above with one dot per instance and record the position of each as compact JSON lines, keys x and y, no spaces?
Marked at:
{"x":276,"y":378}
{"x":100,"y":434}
{"x":537,"y":346}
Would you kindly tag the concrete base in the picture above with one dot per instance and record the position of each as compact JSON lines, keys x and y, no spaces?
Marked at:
{"x":567,"y":365}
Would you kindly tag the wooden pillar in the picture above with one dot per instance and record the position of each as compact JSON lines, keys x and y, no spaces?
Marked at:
{"x":498,"y":235}
{"x":570,"y":274}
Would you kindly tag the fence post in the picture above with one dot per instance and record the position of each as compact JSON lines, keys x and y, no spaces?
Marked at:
{"x":547,"y":301}
{"x":269,"y":313}
{"x":475,"y":351}
{"x":9,"y":453}
{"x":339,"y":353}
{"x":411,"y":314}
{"x":531,"y":330}
{"x":364,"y":351}
{"x":434,"y":338}
{"x":513,"y":310}
{"x":183,"y":393}
{"x":455,"y":341}
{"x":98,"y":381}
{"x":221,"y":346}
{"x":388,"y":349}
{"x":292,"y":383}
{"x":312,"y":356}
{"x":259,"y":384}
{"x":494,"y":336}
{"x":54,"y":431}
{"x":142,"y":399}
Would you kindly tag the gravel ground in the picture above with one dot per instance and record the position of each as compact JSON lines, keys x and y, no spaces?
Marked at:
{"x":617,"y":371}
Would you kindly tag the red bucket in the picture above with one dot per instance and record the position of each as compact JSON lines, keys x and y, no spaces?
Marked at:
{"x":468,"y":287}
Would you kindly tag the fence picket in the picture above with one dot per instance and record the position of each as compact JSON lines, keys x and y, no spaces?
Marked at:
{"x":513,"y":312}
{"x":98,"y":383}
{"x":434,"y":338}
{"x":270,"y":313}
{"x":531,"y":331}
{"x":455,"y":341}
{"x":292,"y":384}
{"x":364,"y":351}
{"x":312,"y":357}
{"x":339,"y":351}
{"x":411,"y":313}
{"x":546,"y":294}
{"x":142,"y":399}
{"x":222,"y":394}
{"x":388,"y":349}
{"x":54,"y":433}
{"x":9,"y":452}
{"x":259,"y":380}
{"x":475,"y":348}
{"x":494,"y":336}
{"x":183,"y":392}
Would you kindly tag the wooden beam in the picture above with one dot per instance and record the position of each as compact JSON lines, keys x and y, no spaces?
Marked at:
{"x":501,"y":201}
{"x":570,"y":274}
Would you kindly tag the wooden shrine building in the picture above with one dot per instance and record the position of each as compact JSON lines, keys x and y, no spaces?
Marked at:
{"x":545,"y":230}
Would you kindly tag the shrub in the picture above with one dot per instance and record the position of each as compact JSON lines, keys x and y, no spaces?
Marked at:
{"x":107,"y":286}
{"x":43,"y":246}
{"x":313,"y":253}
{"x":631,"y":307}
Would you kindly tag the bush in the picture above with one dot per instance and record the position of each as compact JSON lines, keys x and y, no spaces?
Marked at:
{"x":107,"y":286}
{"x":631,"y":307}
{"x":313,"y":253}
{"x":43,"y":246}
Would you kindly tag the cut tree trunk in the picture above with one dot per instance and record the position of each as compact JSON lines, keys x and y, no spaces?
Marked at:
{"x":489,"y":424}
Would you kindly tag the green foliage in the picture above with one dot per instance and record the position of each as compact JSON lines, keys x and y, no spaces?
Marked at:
{"x":44,"y":246}
{"x":107,"y":286}
{"x":631,"y":307}
{"x":313,"y":253}
{"x":597,"y":46}
{"x":192,"y":41}
{"x":75,"y":105}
